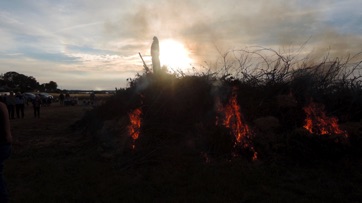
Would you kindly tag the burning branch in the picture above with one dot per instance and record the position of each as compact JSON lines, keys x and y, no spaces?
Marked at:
{"x":317,"y":122}
{"x":135,"y":124}
{"x":233,"y":120}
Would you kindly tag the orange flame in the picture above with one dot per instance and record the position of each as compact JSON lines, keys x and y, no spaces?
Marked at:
{"x":233,"y":120}
{"x":317,"y":122}
{"x":135,"y":124}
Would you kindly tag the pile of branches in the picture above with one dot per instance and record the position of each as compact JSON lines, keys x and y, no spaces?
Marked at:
{"x":178,"y":110}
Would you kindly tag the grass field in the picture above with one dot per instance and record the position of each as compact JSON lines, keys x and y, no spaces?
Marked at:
{"x":53,"y":163}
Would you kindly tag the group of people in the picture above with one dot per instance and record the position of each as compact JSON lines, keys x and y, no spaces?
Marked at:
{"x":63,"y":98}
{"x":67,"y":100}
{"x":15,"y":104}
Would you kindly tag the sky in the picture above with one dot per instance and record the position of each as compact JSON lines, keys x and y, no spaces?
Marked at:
{"x":94,"y":45}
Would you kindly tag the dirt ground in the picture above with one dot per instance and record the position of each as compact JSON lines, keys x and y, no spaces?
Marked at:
{"x":51,"y":128}
{"x":42,"y":150}
{"x":51,"y":162}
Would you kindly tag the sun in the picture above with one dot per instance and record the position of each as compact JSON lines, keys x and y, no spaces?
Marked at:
{"x":173,"y":54}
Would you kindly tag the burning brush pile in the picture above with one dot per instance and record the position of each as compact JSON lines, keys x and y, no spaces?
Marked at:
{"x":200,"y":117}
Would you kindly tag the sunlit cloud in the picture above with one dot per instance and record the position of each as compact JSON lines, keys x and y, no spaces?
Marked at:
{"x":75,"y":42}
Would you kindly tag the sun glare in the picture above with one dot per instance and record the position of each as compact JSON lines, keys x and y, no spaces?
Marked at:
{"x":174,"y":55}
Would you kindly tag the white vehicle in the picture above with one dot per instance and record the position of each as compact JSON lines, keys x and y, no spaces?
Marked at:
{"x":4,"y":93}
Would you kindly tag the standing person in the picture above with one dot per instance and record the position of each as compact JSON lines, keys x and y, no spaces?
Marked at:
{"x":5,"y":148}
{"x":92,"y":98}
{"x":10,"y":101}
{"x":67,"y":99}
{"x":20,"y":101}
{"x":61,"y":98}
{"x":48,"y":101}
{"x":155,"y":53}
{"x":36,"y":106}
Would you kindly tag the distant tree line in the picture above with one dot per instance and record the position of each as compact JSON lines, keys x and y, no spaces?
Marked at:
{"x":13,"y":81}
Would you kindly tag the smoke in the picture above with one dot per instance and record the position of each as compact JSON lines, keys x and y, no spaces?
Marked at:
{"x":206,"y":27}
{"x":336,"y":44}
{"x":129,"y":26}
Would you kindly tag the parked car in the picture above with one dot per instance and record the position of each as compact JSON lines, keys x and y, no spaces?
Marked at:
{"x":4,"y":93}
{"x":70,"y":101}
{"x":44,"y":95}
{"x":29,"y":97}
{"x":46,"y":98}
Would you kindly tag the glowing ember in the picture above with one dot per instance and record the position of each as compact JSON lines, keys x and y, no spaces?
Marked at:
{"x":317,"y":122}
{"x":233,"y":120}
{"x":135,"y":124}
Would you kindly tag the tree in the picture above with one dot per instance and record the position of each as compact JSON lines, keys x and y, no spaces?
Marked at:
{"x":50,"y":87}
{"x":19,"y":82}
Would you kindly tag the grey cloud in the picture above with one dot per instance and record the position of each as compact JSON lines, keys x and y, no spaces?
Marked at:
{"x":123,"y":28}
{"x":336,"y":44}
{"x":274,"y":24}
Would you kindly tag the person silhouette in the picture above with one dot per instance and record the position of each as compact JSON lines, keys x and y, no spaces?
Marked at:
{"x":155,"y":53}
{"x":20,"y":101}
{"x":36,"y":105}
{"x":5,"y":148}
{"x":61,"y":98}
{"x":11,"y":102}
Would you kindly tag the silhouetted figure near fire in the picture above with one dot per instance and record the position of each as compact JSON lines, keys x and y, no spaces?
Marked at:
{"x":155,"y":53}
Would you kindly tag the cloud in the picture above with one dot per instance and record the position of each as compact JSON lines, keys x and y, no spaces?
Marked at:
{"x":71,"y":76}
{"x":103,"y":38}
